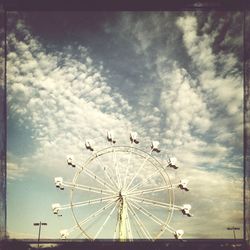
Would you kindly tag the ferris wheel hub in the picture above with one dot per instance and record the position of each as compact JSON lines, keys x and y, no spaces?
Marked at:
{"x":122,"y":193}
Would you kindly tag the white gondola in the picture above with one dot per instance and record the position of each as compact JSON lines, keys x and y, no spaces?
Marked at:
{"x":110,"y":137}
{"x":56,"y":207}
{"x":172,"y":162}
{"x":71,"y":160}
{"x":155,"y":146}
{"x":186,"y":210}
{"x":183,"y":185}
{"x":64,"y":234}
{"x":178,"y":234}
{"x":89,"y":144}
{"x":59,"y":182}
{"x":133,"y":137}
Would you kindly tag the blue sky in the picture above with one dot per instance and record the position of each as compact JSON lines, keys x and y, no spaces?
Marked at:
{"x":175,"y":77}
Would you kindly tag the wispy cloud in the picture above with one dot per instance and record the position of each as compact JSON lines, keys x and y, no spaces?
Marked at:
{"x":224,"y":88}
{"x":15,"y":172}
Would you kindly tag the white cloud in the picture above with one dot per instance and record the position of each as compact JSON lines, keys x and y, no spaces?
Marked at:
{"x":20,"y":92}
{"x":226,"y":89}
{"x":15,"y":171}
{"x":198,"y":47}
{"x":184,"y":106}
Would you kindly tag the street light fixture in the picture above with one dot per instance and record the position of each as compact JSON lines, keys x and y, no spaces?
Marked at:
{"x":39,"y":232}
{"x":233,"y":229}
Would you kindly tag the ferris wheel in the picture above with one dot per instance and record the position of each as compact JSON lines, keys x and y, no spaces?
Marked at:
{"x":121,"y":193}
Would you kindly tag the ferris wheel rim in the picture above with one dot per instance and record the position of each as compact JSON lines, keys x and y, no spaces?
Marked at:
{"x":139,"y":152}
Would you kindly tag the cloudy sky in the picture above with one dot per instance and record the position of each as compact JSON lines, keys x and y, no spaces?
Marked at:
{"x":175,"y":77}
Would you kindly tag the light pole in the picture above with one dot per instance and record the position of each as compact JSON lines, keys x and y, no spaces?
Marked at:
{"x":39,"y":232}
{"x":233,"y":229}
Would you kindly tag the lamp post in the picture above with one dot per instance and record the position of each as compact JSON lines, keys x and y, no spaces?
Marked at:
{"x":39,"y":232}
{"x":233,"y":229}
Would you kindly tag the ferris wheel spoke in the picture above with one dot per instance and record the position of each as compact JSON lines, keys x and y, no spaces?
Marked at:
{"x":138,"y":170}
{"x":148,"y":214}
{"x":140,"y":223}
{"x":155,"y":203}
{"x":115,"y":164}
{"x":135,"y":227}
{"x":72,"y":229}
{"x":154,"y":218}
{"x":104,"y":167}
{"x":151,"y":190}
{"x":116,"y":227}
{"x":106,"y":220}
{"x":143,"y":182}
{"x":128,"y":225}
{"x":88,"y":188}
{"x":91,"y":202}
{"x":128,"y":165}
{"x":96,"y":178}
{"x":163,"y":229}
{"x":95,"y":214}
